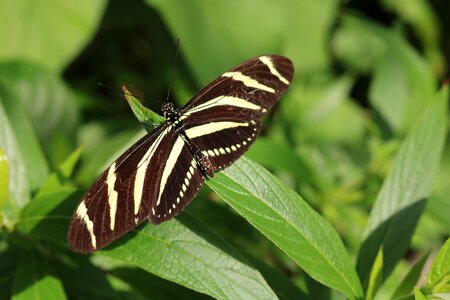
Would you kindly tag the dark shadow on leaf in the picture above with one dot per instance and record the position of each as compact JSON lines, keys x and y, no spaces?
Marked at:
{"x":394,"y":236}
{"x":154,"y":287}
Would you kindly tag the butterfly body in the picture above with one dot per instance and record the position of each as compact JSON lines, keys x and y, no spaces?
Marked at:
{"x":162,"y":172}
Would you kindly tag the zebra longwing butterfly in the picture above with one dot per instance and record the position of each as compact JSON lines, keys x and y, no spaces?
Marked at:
{"x":162,"y":172}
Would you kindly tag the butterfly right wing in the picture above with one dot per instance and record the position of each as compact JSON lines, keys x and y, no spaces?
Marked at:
{"x":224,"y":118}
{"x":122,"y":196}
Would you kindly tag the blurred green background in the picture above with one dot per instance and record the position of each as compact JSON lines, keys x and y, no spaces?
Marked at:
{"x":365,"y":70}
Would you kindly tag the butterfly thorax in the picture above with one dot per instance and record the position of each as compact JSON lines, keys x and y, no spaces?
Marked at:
{"x":171,"y":113}
{"x":172,"y":116}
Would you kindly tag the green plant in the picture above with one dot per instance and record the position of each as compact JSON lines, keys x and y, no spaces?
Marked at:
{"x":355,"y":202}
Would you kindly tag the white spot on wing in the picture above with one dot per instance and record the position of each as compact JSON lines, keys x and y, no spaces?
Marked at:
{"x":142,"y":169}
{"x":268,"y":62}
{"x":112,"y":195}
{"x":221,"y":101}
{"x":248,"y":81}
{"x":209,"y":128}
{"x":170,"y":164}
{"x":82,"y":215}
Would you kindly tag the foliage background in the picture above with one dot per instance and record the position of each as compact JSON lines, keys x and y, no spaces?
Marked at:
{"x":365,"y":74}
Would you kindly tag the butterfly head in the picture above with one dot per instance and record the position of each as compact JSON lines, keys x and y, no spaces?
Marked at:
{"x":171,"y":113}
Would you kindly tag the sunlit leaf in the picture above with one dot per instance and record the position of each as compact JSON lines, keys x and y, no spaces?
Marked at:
{"x":288,"y":221}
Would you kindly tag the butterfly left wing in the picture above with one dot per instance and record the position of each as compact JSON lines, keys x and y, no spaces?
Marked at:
{"x":224,"y":118}
{"x":122,"y":196}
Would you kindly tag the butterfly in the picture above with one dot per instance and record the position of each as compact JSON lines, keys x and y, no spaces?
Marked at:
{"x":162,"y":172}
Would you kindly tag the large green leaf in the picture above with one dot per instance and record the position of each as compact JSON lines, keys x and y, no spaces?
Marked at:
{"x":288,"y":221}
{"x":50,"y":34}
{"x":35,"y":279}
{"x":402,"y":197}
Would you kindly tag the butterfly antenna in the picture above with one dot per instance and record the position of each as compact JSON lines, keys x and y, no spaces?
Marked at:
{"x":172,"y":73}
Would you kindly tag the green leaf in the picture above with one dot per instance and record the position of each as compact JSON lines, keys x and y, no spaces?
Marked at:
{"x":50,"y":35}
{"x":438,"y":279}
{"x":402,"y":197}
{"x":4,"y":182}
{"x":288,"y":221}
{"x":35,"y":279}
{"x":143,"y":114}
{"x":406,"y":286}
{"x":375,"y":277}
{"x":18,"y":183}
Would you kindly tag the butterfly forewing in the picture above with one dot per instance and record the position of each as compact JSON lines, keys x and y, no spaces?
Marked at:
{"x":224,"y":118}
{"x":260,"y":80}
{"x":120,"y":198}
{"x":161,"y":173}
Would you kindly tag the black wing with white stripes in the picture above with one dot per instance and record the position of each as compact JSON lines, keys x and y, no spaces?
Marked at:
{"x":161,"y":173}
